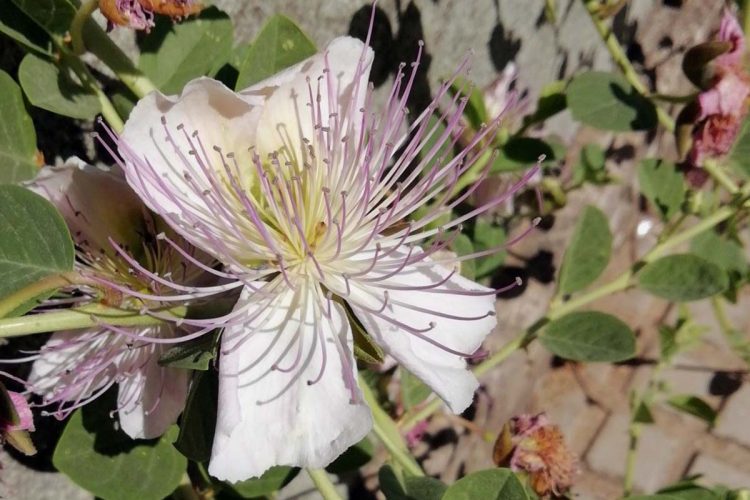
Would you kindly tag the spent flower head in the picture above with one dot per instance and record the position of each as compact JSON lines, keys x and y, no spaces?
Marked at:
{"x":139,"y":14}
{"x":325,"y":211}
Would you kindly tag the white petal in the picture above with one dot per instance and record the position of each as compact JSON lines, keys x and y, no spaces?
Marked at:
{"x":96,"y":204}
{"x":306,"y":425}
{"x":445,"y":372}
{"x":165,"y":174}
{"x":152,"y":397}
{"x":286,"y":118}
{"x":59,"y":361}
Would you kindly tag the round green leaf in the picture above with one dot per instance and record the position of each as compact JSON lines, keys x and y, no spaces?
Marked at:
{"x":607,"y":101}
{"x":272,"y":480}
{"x":663,"y":185}
{"x":15,"y":24}
{"x":173,"y":54}
{"x":17,"y":136}
{"x":589,"y":336}
{"x":588,"y":252}
{"x":693,"y":405}
{"x":104,"y":460}
{"x":35,"y":243}
{"x":280,"y":44}
{"x":49,"y":88}
{"x":682,"y":278}
{"x":492,"y":484}
{"x":54,"y":16}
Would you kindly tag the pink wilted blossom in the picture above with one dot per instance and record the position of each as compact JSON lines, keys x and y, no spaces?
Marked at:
{"x":722,"y":107}
{"x":16,"y":420}
{"x":309,"y":195}
{"x":139,"y":14}
{"x":538,"y":449}
{"x":121,"y":260}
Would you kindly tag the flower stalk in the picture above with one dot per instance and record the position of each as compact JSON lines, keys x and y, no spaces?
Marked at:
{"x":110,"y":54}
{"x":77,"y":318}
{"x":388,"y":433}
{"x":323,"y":483}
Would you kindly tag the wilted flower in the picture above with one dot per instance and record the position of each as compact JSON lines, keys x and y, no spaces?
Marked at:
{"x":722,"y":106}
{"x":305,"y":193}
{"x":116,"y":245}
{"x":139,"y":14}
{"x":501,"y":97}
{"x":531,"y":444}
{"x":16,"y":420}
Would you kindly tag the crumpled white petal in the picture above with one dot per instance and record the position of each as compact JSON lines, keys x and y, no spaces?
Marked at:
{"x":96,"y":204}
{"x":286,"y":118}
{"x":151,"y":398}
{"x":444,"y":372}
{"x":296,"y":423}
{"x":176,"y":185}
{"x":77,"y":364}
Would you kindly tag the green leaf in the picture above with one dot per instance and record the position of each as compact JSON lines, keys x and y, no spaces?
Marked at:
{"x":589,"y":336}
{"x":462,"y":245}
{"x":390,"y":485}
{"x":725,"y":253}
{"x":17,"y":135}
{"x":739,"y":156}
{"x":486,"y":236}
{"x":49,"y":88}
{"x":662,"y":185}
{"x":54,"y":16}
{"x":683,"y":278}
{"x":607,"y":101}
{"x":475,"y":112}
{"x":198,"y":420}
{"x":413,"y":390}
{"x":99,"y":457}
{"x":519,"y":153}
{"x":353,"y":458}
{"x":172,"y":54}
{"x":424,"y":488}
{"x":591,"y":167}
{"x":280,"y":44}
{"x":642,"y":414}
{"x":365,"y":348}
{"x":35,"y":242}
{"x":588,"y":251}
{"x":192,"y":355}
{"x":272,"y":480}
{"x":551,"y":101}
{"x":492,"y":484}
{"x":16,"y":25}
{"x":695,"y":406}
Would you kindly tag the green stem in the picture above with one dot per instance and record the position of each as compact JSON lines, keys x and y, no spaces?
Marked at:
{"x":76,"y":27}
{"x":634,"y":433}
{"x":110,"y":54}
{"x":107,"y":108}
{"x":323,"y":483}
{"x":82,"y":317}
{"x":717,"y":173}
{"x":746,"y":16}
{"x":27,"y":294}
{"x":388,"y":433}
{"x":471,"y":175}
{"x":621,"y":59}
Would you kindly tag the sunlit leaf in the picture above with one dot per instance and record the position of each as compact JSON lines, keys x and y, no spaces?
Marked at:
{"x":280,"y":44}
{"x":589,"y":336}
